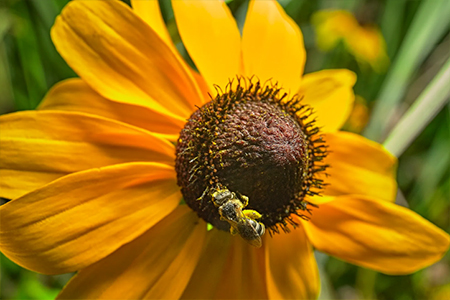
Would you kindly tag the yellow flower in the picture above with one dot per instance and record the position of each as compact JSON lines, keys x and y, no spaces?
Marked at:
{"x":92,"y":172}
{"x":359,"y":116}
{"x":365,"y":42}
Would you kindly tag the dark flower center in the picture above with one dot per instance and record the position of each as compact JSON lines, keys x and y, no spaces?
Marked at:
{"x":254,"y":142}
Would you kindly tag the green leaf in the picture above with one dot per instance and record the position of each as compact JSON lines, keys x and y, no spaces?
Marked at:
{"x":30,"y":61}
{"x":427,"y":105}
{"x":429,"y":25}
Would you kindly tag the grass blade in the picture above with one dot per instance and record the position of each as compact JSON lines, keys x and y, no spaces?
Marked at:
{"x":427,"y":105}
{"x":430,"y":23}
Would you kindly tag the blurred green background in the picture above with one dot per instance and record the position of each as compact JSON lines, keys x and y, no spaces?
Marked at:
{"x":418,"y":42}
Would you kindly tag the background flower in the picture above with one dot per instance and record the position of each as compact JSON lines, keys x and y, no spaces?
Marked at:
{"x":364,"y":41}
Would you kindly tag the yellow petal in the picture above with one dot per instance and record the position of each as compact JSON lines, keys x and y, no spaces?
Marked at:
{"x":331,"y":26}
{"x":376,"y":234}
{"x":79,"y":219}
{"x":75,"y":95}
{"x":150,"y":12}
{"x":40,"y":146}
{"x":367,"y":45}
{"x":211,"y":37}
{"x":359,"y":166}
{"x":319,"y":199}
{"x":291,"y":267}
{"x":272,"y":45}
{"x":244,"y":274}
{"x":203,"y":86}
{"x":229,"y":268}
{"x":207,"y":275}
{"x":331,"y":95}
{"x":359,"y":116}
{"x":157,"y":265}
{"x":181,"y":267}
{"x":122,"y":58}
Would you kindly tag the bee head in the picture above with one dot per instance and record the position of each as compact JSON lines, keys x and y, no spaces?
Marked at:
{"x":219,"y":197}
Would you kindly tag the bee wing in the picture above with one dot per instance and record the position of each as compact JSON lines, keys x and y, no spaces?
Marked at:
{"x":256,"y":242}
{"x":249,"y":233}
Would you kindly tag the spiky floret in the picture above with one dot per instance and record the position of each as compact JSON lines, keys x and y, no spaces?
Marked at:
{"x":255,"y":141}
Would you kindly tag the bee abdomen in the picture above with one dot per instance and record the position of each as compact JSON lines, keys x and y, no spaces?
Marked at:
{"x":259,"y":227}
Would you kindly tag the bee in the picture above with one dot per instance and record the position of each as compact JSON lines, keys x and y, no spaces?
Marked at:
{"x":242,"y":221}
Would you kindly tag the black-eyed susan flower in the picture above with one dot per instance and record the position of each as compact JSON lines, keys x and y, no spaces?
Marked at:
{"x":364,"y":42}
{"x":98,"y":174}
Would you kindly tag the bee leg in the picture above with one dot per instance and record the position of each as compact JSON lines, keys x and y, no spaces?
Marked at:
{"x":233,"y":231}
{"x":251,"y":214}
{"x":203,"y":195}
{"x":243,"y":199}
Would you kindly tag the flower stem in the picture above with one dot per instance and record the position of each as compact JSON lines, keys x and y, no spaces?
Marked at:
{"x":365,"y":281}
{"x":427,"y":105}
